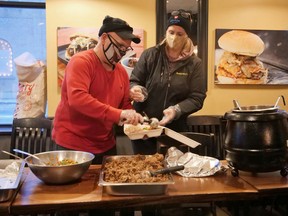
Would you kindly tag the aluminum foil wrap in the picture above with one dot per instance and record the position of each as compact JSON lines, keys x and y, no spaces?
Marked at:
{"x":195,"y":165}
{"x":8,"y":175}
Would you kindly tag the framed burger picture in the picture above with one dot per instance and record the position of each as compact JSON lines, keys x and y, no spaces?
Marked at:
{"x":72,"y":40}
{"x":251,"y":57}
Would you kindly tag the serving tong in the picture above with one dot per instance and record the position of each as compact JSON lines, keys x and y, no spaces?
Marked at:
{"x":23,"y":152}
{"x":13,"y":155}
{"x":27,"y":153}
{"x":149,"y":173}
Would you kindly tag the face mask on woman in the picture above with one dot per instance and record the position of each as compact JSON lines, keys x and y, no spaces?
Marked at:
{"x":175,"y":41}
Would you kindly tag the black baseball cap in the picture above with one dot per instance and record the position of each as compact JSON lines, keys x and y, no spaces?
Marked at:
{"x":120,"y":27}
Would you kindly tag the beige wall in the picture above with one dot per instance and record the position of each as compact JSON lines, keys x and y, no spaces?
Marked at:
{"x":244,"y":14}
{"x":90,"y":13}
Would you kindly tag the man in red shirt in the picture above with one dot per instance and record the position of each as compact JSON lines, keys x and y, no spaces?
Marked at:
{"x":95,"y":94}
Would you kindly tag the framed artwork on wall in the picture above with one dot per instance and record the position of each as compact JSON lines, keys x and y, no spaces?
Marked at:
{"x":71,"y":40}
{"x":251,"y":57}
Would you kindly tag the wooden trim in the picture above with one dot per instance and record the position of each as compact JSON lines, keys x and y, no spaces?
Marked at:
{"x":16,"y":4}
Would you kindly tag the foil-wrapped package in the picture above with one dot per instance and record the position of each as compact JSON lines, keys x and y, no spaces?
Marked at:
{"x":195,"y":165}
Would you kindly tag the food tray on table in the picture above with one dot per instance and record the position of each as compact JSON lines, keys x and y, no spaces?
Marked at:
{"x":137,"y":188}
{"x":10,"y":175}
{"x":139,"y":131}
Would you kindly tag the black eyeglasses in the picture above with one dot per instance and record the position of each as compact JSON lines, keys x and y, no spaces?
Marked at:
{"x":182,"y":13}
{"x":122,"y":49}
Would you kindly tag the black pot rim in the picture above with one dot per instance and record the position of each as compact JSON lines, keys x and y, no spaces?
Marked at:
{"x":263,"y":150}
{"x":255,"y":116}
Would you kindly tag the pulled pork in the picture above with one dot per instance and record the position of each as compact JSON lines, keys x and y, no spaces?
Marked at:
{"x":131,"y":169}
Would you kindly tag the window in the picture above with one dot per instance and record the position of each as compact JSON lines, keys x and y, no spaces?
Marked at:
{"x":22,"y":29}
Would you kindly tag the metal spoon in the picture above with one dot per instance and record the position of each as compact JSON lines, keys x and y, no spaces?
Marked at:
{"x":153,"y":122}
{"x":26,"y":153}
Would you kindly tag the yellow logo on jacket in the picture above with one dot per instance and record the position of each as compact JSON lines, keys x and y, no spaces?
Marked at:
{"x":182,"y":73}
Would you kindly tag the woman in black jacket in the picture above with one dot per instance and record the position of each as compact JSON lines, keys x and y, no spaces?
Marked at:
{"x":168,"y":80}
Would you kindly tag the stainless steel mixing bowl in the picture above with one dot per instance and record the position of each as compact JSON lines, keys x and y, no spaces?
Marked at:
{"x":51,"y":174}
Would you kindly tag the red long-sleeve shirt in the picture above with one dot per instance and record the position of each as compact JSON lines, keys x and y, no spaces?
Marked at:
{"x":91,"y":103}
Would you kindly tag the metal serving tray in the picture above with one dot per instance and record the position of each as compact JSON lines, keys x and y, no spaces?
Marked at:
{"x":6,"y":192}
{"x":126,"y":189}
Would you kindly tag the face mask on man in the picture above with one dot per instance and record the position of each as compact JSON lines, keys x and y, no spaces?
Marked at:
{"x":111,"y":55}
{"x":175,"y":42}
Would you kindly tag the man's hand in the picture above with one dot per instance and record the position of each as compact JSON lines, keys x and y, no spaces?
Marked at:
{"x":130,"y":117}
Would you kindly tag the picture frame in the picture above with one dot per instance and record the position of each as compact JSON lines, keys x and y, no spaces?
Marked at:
{"x":65,"y":35}
{"x":273,"y":57}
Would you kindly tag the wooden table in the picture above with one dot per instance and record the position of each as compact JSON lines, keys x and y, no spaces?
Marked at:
{"x":37,"y":197}
{"x":4,"y":207}
{"x":266,"y":183}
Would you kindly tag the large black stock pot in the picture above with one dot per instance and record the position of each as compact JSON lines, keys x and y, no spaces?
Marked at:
{"x":256,"y":139}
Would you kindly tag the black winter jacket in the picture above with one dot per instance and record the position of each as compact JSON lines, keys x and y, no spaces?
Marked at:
{"x":183,"y":84}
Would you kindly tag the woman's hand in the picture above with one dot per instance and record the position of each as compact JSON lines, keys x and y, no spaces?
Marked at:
{"x":169,"y":115}
{"x":138,"y":93}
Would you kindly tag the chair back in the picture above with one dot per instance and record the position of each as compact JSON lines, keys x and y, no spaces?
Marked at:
{"x":209,"y":124}
{"x":205,"y":149}
{"x":32,"y":135}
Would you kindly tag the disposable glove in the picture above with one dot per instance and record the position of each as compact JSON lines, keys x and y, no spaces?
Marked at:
{"x":138,"y":93}
{"x":171,"y":113}
{"x":130,"y":116}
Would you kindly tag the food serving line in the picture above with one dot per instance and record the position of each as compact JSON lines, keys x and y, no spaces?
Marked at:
{"x":209,"y":181}
{"x":34,"y":196}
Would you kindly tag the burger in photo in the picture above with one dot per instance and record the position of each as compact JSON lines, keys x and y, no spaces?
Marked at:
{"x":79,"y":43}
{"x":239,"y":63}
